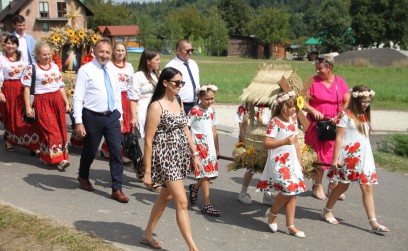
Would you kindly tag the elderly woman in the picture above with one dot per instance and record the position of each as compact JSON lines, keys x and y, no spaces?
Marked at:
{"x":329,"y":95}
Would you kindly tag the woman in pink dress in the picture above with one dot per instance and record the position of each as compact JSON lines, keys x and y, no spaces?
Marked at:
{"x":328,"y":95}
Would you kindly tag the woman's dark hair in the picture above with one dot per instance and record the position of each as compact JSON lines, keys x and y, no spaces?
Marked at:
{"x":167,"y":74}
{"x":148,"y":54}
{"x":14,"y":40}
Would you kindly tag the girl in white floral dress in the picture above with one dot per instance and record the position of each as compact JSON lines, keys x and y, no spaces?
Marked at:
{"x":353,"y":158}
{"x":283,"y":171}
{"x":202,"y":122}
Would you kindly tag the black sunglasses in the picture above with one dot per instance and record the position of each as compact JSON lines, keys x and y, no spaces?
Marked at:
{"x":178,"y":83}
{"x":190,"y":50}
{"x":320,"y":60}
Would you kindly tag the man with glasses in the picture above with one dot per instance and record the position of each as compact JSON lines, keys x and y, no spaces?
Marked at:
{"x":189,"y":68}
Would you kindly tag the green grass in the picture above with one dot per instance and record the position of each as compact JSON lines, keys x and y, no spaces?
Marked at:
{"x":233,"y":74}
{"x":391,"y":162}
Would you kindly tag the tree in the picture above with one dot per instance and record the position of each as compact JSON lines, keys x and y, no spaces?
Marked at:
{"x":396,"y":25}
{"x":217,"y":40}
{"x":332,"y":26}
{"x":189,"y":20}
{"x":368,"y":21}
{"x":271,"y":26}
{"x":236,"y":15}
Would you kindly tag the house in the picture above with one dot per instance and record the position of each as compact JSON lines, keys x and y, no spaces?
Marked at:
{"x":244,"y":46}
{"x":42,"y":15}
{"x":125,"y":34}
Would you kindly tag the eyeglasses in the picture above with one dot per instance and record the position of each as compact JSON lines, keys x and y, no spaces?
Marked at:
{"x":321,"y":60}
{"x":189,"y":50}
{"x":178,"y":83}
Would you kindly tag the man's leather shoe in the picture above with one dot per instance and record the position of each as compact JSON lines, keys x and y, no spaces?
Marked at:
{"x":85,"y":184}
{"x":119,"y":196}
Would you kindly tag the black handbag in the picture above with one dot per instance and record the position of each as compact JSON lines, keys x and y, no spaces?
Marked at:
{"x":132,"y":151}
{"x":325,"y":128}
{"x":27,"y":119}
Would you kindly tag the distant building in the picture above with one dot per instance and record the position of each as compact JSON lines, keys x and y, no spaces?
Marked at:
{"x":125,"y":34}
{"x":42,"y":15}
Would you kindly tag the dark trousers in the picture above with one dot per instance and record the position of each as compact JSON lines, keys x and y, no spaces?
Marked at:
{"x":97,"y":126}
{"x":188,"y":106}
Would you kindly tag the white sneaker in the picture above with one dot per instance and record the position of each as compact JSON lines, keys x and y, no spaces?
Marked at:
{"x":268,"y":198}
{"x":245,"y":198}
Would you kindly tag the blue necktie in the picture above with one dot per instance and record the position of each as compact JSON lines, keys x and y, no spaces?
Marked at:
{"x":109,"y":90}
{"x":192,"y":79}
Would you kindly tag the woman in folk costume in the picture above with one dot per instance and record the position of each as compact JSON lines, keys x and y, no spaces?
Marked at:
{"x":49,"y":106}
{"x":17,"y":133}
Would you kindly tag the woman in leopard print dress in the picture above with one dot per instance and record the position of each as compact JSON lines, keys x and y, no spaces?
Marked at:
{"x":168,"y":147}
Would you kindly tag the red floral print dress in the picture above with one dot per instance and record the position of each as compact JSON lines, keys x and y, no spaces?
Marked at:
{"x":282,"y":171}
{"x":201,"y":123}
{"x":356,"y":156}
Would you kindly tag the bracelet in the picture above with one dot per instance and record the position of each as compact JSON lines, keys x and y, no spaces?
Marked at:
{"x":194,"y":154}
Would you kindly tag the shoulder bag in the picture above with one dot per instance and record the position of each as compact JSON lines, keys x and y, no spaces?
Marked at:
{"x":27,"y":119}
{"x":132,"y":151}
{"x":326,"y":130}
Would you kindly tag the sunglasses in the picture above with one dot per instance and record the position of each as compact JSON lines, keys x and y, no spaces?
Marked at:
{"x":178,"y":83}
{"x":320,"y":60}
{"x":189,"y":50}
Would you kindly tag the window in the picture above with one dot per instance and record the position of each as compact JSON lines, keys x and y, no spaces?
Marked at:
{"x":44,"y":12}
{"x":62,"y":9}
{"x":45,"y":27}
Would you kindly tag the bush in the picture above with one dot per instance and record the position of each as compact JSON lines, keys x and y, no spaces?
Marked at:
{"x":397,"y":144}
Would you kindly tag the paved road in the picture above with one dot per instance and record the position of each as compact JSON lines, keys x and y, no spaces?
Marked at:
{"x":51,"y":193}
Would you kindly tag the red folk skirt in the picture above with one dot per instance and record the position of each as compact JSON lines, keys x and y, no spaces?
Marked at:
{"x":126,"y":118}
{"x":50,"y":113}
{"x":18,"y":133}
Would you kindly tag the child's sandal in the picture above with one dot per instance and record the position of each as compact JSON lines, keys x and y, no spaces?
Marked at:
{"x":193,"y":199}
{"x":209,"y":210}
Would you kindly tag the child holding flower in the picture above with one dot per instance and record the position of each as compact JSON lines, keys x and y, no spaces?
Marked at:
{"x":202,"y":122}
{"x":353,"y":158}
{"x":283,"y":171}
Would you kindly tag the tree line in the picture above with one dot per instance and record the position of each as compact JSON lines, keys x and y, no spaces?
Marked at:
{"x":340,"y":25}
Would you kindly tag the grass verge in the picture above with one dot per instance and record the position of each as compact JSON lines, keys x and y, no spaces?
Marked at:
{"x":391,"y":162}
{"x":24,"y":231}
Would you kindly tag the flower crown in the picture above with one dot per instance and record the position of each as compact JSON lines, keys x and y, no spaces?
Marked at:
{"x":358,"y":94}
{"x":205,"y":88}
{"x":283,"y":97}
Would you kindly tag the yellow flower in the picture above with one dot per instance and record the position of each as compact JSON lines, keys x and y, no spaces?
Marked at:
{"x":95,"y":38}
{"x":305,"y":149}
{"x":240,"y":144}
{"x":81,"y":33}
{"x":56,"y":37}
{"x":300,"y":102}
{"x":71,"y":92}
{"x":75,"y":39}
{"x":71,"y":33}
{"x":251,"y":150}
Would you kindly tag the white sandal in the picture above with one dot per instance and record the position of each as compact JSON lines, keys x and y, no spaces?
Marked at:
{"x":330,"y":220}
{"x":299,"y":234}
{"x":380,"y":229}
{"x":315,"y":192}
{"x":273,"y":226}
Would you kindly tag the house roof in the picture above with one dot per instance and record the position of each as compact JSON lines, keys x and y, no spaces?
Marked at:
{"x":14,"y":7}
{"x":124,"y":30}
{"x":313,"y":40}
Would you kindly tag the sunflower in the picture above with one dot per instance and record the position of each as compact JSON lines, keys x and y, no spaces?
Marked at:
{"x":75,"y":39}
{"x":300,"y":102}
{"x":95,"y":38}
{"x":56,"y":37}
{"x":251,"y":150}
{"x":81,"y":34}
{"x":70,"y":33}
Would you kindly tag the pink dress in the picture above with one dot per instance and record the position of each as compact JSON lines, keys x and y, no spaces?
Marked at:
{"x":324,"y":100}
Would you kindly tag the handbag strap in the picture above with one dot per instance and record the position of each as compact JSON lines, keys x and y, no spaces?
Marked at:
{"x":32,"y":88}
{"x":337,"y":95}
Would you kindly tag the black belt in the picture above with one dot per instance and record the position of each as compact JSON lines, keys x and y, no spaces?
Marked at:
{"x":190,"y":103}
{"x":107,"y":113}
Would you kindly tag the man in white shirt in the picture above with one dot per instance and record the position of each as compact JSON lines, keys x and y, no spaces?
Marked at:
{"x":26,"y":42}
{"x":190,"y":71}
{"x":97,"y":113}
